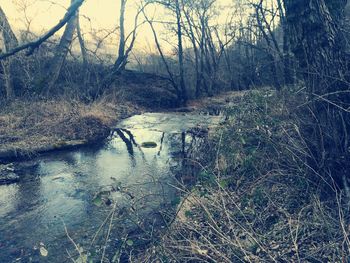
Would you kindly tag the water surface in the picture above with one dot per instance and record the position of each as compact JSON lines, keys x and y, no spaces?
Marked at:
{"x":77,"y":189}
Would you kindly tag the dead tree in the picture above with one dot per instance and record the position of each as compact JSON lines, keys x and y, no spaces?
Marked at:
{"x":9,"y":42}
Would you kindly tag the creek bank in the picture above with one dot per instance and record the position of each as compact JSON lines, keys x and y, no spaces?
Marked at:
{"x":148,"y":91}
{"x":28,"y":128}
{"x":255,"y":199}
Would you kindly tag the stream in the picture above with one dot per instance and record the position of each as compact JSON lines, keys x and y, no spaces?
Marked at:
{"x":67,"y":196}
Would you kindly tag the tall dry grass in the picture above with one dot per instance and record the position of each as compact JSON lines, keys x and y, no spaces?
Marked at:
{"x":26,"y":126}
{"x":257,"y":198}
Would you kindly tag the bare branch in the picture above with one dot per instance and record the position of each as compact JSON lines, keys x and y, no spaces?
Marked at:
{"x":32,"y":46}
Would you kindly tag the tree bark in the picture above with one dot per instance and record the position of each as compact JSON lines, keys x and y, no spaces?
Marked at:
{"x":191,"y":36}
{"x":83,"y":52}
{"x":10,"y":41}
{"x":119,"y":64}
{"x":287,"y":65}
{"x":180,"y":54}
{"x":61,"y":52}
{"x":318,"y":44}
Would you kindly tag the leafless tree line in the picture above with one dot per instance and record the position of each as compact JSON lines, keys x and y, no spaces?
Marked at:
{"x":257,"y":43}
{"x":208,"y":54}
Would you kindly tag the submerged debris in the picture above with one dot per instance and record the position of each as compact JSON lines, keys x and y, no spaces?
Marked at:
{"x":8,"y":175}
{"x":149,"y":145}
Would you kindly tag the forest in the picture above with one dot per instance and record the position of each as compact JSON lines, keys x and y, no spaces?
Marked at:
{"x":175,"y":131}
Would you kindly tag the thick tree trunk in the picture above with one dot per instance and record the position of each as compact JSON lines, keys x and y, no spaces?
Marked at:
{"x":61,"y":53}
{"x":9,"y":42}
{"x":318,"y":44}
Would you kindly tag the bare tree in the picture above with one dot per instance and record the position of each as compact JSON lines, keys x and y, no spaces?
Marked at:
{"x":120,"y":64}
{"x":176,"y":9}
{"x":83,"y":49}
{"x":32,"y":46}
{"x":269,"y":36}
{"x":189,"y":28}
{"x":164,"y":60}
{"x":61,"y":52}
{"x":9,"y":42}
{"x":184,"y":98}
{"x":126,"y":42}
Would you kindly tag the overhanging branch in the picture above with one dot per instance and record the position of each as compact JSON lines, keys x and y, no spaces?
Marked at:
{"x":32,"y":46}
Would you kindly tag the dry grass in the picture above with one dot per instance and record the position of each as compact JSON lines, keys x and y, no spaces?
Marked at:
{"x":257,"y":199}
{"x":28,"y":126}
{"x":218,"y":101}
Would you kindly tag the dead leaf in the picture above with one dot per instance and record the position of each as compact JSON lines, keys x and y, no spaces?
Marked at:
{"x":43,"y":252}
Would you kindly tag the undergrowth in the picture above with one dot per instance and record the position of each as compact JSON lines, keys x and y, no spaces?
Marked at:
{"x":256,"y":198}
{"x":26,"y":126}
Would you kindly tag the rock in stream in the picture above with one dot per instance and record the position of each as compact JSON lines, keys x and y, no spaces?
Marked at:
{"x":7,"y":174}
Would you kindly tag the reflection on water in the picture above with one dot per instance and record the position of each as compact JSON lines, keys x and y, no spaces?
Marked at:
{"x":61,"y":189}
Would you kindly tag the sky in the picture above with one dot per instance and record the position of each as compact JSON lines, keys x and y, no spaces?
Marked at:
{"x":99,"y":16}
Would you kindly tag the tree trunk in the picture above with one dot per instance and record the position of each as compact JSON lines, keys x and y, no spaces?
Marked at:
{"x":180,"y":54}
{"x":270,"y":55}
{"x":162,"y":56}
{"x":84,"y":54}
{"x":287,"y":65}
{"x":119,"y":64}
{"x":318,"y":44}
{"x":10,"y":42}
{"x":60,"y":53}
{"x":193,"y":40}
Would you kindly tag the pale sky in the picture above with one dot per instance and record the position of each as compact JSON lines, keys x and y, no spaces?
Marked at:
{"x":102,"y":14}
